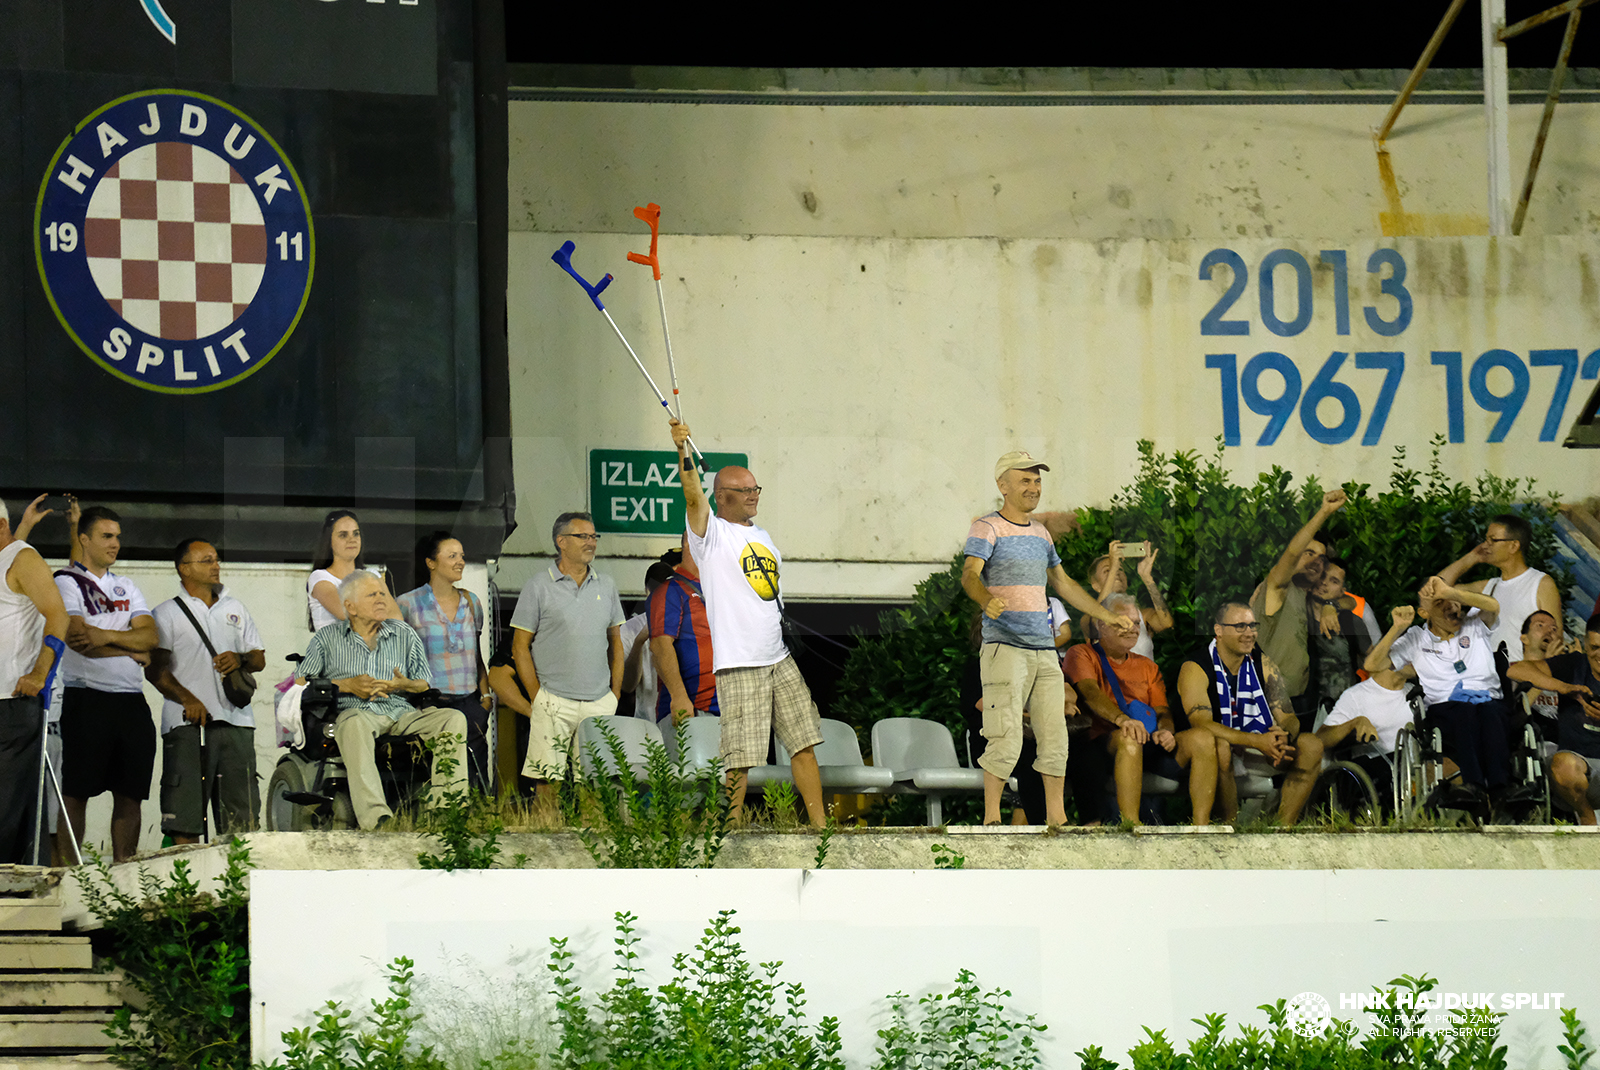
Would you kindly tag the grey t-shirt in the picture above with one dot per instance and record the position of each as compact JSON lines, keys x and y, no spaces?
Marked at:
{"x":571,"y":653}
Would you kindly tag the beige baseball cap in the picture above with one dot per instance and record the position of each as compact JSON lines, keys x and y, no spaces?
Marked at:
{"x":1018,"y":459}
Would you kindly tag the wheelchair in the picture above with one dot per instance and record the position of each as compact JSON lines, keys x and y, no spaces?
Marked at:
{"x":309,"y":788}
{"x":1421,"y":783}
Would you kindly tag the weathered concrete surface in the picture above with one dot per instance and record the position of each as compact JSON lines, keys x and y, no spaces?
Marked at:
{"x":912,"y":849}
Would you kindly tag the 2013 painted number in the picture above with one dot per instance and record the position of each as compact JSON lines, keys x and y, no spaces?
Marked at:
{"x":1384,"y":319}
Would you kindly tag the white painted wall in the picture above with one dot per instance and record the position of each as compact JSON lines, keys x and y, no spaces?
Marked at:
{"x":275,"y":595}
{"x":983,"y":278}
{"x":1097,"y":955}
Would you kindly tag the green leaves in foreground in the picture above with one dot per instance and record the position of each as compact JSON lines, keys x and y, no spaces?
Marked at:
{"x":188,"y":952}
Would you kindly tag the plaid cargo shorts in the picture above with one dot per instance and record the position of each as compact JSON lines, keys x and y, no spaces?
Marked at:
{"x":755,"y":701}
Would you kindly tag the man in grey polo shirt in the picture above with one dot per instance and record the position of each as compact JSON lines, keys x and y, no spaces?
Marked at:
{"x":208,"y":744}
{"x":566,"y":642}
{"x":372,"y":660}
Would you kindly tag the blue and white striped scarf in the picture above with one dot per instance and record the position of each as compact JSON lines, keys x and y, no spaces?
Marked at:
{"x":1246,"y":711}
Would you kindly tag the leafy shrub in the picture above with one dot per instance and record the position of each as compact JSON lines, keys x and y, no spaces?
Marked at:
{"x":968,"y":1029}
{"x":678,"y":820}
{"x":466,"y":822}
{"x":717,"y":1013}
{"x":188,"y":952}
{"x":383,"y":1041}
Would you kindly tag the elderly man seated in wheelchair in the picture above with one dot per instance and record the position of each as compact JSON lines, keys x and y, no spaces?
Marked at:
{"x":1454,"y":664}
{"x":374,"y":662}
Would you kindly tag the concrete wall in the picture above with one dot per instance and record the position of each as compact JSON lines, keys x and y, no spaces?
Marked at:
{"x":275,"y":596}
{"x":1097,"y":955}
{"x":874,"y":302}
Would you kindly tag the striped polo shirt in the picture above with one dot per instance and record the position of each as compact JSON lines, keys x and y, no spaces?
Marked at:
{"x":1017,"y":559}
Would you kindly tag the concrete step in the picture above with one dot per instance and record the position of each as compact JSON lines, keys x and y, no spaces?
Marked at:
{"x":44,"y":953}
{"x":37,"y":914}
{"x":28,"y":880}
{"x":74,"y":1031}
{"x":53,"y":1062}
{"x":60,"y":991}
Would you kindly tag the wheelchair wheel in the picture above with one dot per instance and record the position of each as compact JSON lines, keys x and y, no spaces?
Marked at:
{"x":282,"y":815}
{"x":1348,"y":786}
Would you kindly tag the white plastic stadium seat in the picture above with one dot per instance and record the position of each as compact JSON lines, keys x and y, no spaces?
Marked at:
{"x":839,"y":762}
{"x":702,"y":740}
{"x":631,"y":732}
{"x":922,"y":756}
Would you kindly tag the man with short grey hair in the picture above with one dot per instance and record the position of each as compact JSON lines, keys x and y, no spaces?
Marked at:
{"x":374,"y":661}
{"x":566,"y":644}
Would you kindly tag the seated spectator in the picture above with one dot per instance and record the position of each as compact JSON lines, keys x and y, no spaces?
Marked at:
{"x":449,"y":620}
{"x":1235,"y":692}
{"x":1127,"y":698}
{"x":374,"y":661}
{"x":1107,"y":576}
{"x":680,"y":645}
{"x":1575,"y":768}
{"x":638,"y":661}
{"x":1281,"y":604}
{"x":1364,"y":726}
{"x":1455,"y":666}
{"x":1541,"y":640}
{"x":1340,"y":644}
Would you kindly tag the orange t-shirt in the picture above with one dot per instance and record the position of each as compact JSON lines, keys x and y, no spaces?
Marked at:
{"x":1139,"y":676}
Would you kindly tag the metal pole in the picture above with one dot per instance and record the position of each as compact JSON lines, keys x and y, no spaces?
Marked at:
{"x":1422,"y":66}
{"x":61,"y":811}
{"x":1496,"y":108}
{"x":645,"y":372}
{"x":1557,"y":76}
{"x":672,"y":369}
{"x":1518,"y":28}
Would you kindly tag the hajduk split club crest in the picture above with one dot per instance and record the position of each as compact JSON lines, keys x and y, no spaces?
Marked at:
{"x":174,"y":240}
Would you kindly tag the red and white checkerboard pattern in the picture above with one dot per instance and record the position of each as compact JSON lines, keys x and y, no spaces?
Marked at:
{"x":175,"y":240}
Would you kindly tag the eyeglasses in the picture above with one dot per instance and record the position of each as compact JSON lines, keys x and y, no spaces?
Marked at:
{"x":1486,"y":539}
{"x":743,"y":490}
{"x":580,"y":536}
{"x":203,"y":561}
{"x":1243,"y":626}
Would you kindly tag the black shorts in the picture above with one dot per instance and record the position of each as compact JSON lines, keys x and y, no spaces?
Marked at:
{"x":108,"y":743}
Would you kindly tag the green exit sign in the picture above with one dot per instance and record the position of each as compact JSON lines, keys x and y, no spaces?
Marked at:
{"x":636,"y":492}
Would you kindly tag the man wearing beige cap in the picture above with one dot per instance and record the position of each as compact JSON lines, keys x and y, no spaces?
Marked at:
{"x":1010,"y":556}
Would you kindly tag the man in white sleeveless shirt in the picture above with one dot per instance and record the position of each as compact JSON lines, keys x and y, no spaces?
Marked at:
{"x":1519,"y":589}
{"x":30,"y":611}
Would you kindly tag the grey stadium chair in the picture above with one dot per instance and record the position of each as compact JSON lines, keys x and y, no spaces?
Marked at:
{"x":921,"y":759}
